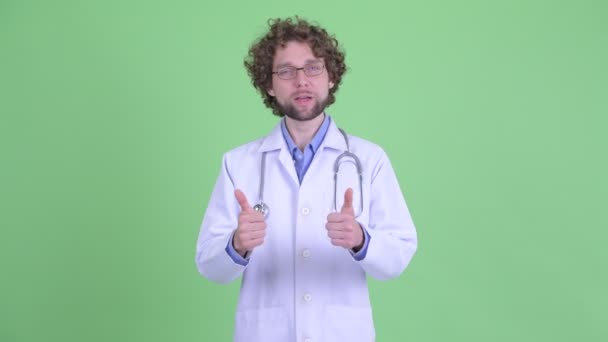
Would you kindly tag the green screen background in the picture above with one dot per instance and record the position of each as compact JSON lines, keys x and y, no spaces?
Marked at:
{"x":115,"y":115}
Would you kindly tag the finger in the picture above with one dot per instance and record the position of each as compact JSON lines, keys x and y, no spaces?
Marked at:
{"x":339,"y":243}
{"x":334,"y":234}
{"x":247,"y":240}
{"x":252,"y":216}
{"x":257,"y":216}
{"x":335,"y":226}
{"x":254,"y":235}
{"x":250,"y":244}
{"x":347,"y":207}
{"x":243,"y":203}
{"x":246,"y":226}
{"x":257,"y":226}
{"x":336,"y":217}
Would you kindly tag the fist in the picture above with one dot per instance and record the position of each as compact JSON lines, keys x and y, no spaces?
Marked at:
{"x":251,"y":228}
{"x":342,"y":228}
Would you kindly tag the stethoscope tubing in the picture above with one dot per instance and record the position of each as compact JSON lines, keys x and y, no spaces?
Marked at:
{"x":263,"y":208}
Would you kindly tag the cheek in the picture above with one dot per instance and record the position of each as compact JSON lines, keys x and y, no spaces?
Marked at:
{"x":280,"y":94}
{"x":325,"y":90}
{"x":280,"y":90}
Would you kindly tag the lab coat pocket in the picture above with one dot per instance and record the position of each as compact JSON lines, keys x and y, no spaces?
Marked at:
{"x":261,"y":325}
{"x":346,"y":323}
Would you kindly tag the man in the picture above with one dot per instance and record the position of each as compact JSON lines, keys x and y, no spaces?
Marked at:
{"x":303,"y":240}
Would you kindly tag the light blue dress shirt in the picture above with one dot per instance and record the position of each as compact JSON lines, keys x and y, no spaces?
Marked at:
{"x":303,"y":159}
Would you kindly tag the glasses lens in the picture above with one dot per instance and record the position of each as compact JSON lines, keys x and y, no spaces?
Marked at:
{"x":313,"y":69}
{"x":286,"y":73}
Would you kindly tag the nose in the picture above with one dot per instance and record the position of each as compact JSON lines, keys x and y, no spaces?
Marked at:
{"x":301,"y":78}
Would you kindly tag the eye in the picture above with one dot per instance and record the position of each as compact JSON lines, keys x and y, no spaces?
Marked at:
{"x":314,"y":67}
{"x":285,"y":72}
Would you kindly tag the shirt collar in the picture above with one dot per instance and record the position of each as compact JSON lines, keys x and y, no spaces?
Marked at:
{"x":316,"y":140}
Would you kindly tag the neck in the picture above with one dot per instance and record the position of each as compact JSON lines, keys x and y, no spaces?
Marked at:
{"x":302,"y":131}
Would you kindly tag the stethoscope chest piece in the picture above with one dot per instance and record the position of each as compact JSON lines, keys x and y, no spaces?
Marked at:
{"x":261,"y":208}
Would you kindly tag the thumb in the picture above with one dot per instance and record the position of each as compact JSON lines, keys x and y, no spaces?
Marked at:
{"x":347,"y":207}
{"x":243,"y":203}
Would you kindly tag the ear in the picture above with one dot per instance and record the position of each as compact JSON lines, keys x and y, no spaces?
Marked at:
{"x":331,"y":84}
{"x":270,"y":92}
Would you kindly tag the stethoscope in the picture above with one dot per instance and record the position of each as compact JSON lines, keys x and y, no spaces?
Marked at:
{"x":345,"y":157}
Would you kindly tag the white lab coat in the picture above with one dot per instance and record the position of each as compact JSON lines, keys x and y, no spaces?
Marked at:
{"x":297,"y":286}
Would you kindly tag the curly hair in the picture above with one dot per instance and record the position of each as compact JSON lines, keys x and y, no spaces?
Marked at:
{"x":282,"y":31}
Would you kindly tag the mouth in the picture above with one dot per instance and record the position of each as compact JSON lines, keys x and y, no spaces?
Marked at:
{"x":303,"y":99}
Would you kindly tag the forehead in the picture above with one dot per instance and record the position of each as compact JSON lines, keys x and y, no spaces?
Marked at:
{"x":294,"y":53}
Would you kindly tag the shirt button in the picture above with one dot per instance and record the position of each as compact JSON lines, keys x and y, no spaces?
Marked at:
{"x":307,"y":297}
{"x":305,"y":211}
{"x":306,"y":253}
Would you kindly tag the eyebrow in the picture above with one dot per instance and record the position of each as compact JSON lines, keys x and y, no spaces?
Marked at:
{"x":309,"y":61}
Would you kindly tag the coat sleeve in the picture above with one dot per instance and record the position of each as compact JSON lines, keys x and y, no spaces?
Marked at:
{"x":393,"y":239}
{"x":220,"y":221}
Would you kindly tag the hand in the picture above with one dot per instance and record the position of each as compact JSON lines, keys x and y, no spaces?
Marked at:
{"x":342,"y":228}
{"x":251,"y":228}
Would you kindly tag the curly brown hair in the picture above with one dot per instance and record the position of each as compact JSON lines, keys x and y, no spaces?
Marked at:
{"x":282,"y":31}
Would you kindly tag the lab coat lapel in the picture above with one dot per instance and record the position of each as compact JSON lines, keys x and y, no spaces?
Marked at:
{"x":273,"y":142}
{"x":334,"y":139}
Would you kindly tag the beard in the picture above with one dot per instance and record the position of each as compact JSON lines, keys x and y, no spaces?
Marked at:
{"x":292,"y":112}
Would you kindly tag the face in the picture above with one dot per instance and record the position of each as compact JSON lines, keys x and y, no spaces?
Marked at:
{"x":304,"y":97}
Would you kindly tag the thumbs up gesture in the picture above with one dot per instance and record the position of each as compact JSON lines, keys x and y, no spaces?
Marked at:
{"x":342,"y":228}
{"x":251,"y":228}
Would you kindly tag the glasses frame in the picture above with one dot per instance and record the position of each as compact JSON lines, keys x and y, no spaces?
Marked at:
{"x":304,"y":68}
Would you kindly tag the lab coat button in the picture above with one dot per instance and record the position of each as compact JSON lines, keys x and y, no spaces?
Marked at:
{"x":306,"y":253}
{"x":308,"y":340}
{"x":307,"y":297}
{"x":305,"y":211}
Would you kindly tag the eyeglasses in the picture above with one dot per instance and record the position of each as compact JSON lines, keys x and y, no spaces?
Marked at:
{"x":290,"y":72}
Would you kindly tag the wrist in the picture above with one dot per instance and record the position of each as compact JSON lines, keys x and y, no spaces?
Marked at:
{"x":237,"y":249}
{"x":358,"y":247}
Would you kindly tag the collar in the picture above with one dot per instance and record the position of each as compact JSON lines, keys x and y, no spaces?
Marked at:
{"x":316,"y":141}
{"x":275,"y":140}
